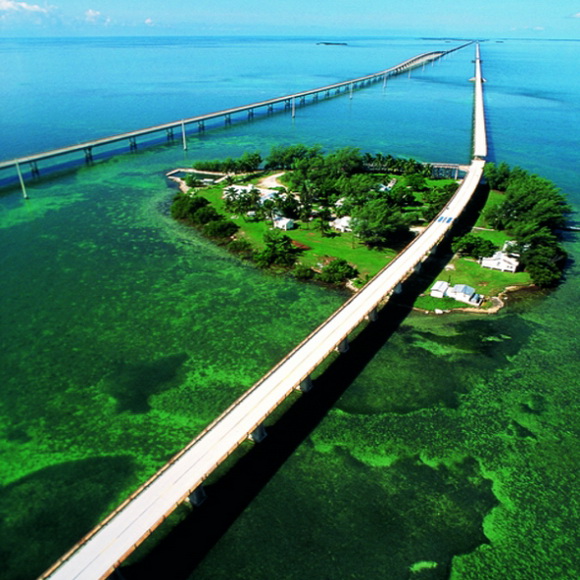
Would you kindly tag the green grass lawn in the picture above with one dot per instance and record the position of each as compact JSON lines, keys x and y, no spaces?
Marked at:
{"x":487,"y":282}
{"x":494,"y":198}
{"x":495,"y":236}
{"x":368,"y":262}
{"x":468,"y":271}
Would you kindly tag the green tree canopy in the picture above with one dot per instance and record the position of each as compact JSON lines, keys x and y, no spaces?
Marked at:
{"x":474,"y":246}
{"x":279,"y":250}
{"x":436,"y":199}
{"x":529,"y":200}
{"x":221,"y":228}
{"x":337,"y":272}
{"x":378,"y":223}
{"x":185,"y":205}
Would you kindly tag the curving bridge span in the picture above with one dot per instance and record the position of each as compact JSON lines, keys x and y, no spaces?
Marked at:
{"x":102,"y":550}
{"x":288,"y":102}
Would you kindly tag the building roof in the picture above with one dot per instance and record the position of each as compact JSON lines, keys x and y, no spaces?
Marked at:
{"x":440,"y":285}
{"x":463,"y":289}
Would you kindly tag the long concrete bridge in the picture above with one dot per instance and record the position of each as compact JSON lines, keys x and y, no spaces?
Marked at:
{"x":289,"y":102}
{"x":99,"y":553}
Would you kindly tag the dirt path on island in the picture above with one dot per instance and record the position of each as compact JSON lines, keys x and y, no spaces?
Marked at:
{"x":271,"y":182}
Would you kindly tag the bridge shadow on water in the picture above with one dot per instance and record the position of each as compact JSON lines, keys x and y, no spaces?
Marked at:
{"x":183,"y":548}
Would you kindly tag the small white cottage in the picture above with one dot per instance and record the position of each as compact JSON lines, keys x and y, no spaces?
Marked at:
{"x":439,"y":289}
{"x":464,"y":293}
{"x":284,"y":223}
{"x":504,"y":260}
{"x":342,"y":224}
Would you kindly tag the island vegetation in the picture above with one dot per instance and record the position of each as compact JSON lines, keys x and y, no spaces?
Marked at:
{"x":342,"y":216}
{"x":532,"y":211}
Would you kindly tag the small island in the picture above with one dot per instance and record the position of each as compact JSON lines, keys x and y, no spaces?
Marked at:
{"x":340,"y":217}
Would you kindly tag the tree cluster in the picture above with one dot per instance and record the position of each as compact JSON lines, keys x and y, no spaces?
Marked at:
{"x":380,"y":223}
{"x":196,"y":210}
{"x":247,"y":163}
{"x":474,"y":246}
{"x":532,"y":211}
{"x":279,"y":250}
{"x":337,"y":271}
{"x":320,"y":187}
{"x":381,"y":215}
{"x":389,"y":164}
{"x":284,"y":156}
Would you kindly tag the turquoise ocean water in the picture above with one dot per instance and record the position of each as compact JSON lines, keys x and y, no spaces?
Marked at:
{"x":453,"y":450}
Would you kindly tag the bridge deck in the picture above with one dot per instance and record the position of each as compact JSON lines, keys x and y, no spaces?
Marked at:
{"x":89,"y":145}
{"x":479,"y":133}
{"x":106,"y":546}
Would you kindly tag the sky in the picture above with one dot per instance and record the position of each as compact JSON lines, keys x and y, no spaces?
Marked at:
{"x":331,"y":18}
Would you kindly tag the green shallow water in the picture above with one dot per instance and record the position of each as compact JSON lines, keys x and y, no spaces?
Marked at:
{"x":452,"y":453}
{"x":124,"y":334}
{"x":462,"y":457}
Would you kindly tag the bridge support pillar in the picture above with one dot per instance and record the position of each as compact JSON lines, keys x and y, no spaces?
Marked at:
{"x":133,"y":144}
{"x":398,"y":288}
{"x":21,"y":179}
{"x":258,"y":434}
{"x":201,"y":126}
{"x":270,"y":108}
{"x":197,"y":496}
{"x":417,"y":267}
{"x":250,"y":114}
{"x":373,"y":315}
{"x":116,"y":575}
{"x":89,"y":155}
{"x":34,"y":169}
{"x":228,"y":120}
{"x":169,"y":134}
{"x":302,"y":100}
{"x":305,"y":385}
{"x":343,"y":346}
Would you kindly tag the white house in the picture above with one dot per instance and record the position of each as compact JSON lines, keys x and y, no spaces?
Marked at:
{"x":342,"y":224}
{"x":500,"y":261}
{"x":505,"y":260}
{"x":464,"y":293}
{"x":439,"y":289}
{"x":284,"y":223}
{"x":267,"y":194}
{"x":389,"y":186}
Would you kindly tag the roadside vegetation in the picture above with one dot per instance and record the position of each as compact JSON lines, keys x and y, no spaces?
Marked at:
{"x":380,"y":199}
{"x":531,"y":211}
{"x":523,"y":212}
{"x":342,"y":216}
